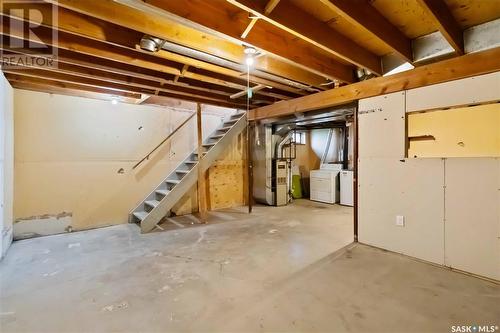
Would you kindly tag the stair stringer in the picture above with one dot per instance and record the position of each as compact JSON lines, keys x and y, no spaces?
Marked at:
{"x":188,"y":180}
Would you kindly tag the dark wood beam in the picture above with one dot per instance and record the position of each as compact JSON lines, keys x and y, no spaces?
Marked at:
{"x":295,"y":21}
{"x":448,"y":70}
{"x":446,"y":23}
{"x":362,"y":14}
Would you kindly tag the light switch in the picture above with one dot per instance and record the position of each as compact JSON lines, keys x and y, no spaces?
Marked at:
{"x":400,"y":221}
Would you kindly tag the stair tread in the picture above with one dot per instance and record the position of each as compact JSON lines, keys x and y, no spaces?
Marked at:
{"x":163,"y":192}
{"x":208,"y":144}
{"x":191,"y":162}
{"x":140,"y":215}
{"x":224,"y":128}
{"x":182,"y":171}
{"x":216,"y":136}
{"x":152,"y":203}
{"x":173,"y":181}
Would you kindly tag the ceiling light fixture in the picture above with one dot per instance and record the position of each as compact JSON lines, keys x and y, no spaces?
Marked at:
{"x":114,"y":100}
{"x":250,"y":53}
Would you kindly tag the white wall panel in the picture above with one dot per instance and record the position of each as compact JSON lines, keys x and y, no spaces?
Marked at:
{"x":414,"y":189}
{"x":474,"y":90}
{"x":382,"y":126}
{"x":473,"y":215}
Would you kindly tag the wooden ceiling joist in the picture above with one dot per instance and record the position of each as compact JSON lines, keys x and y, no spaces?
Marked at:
{"x":40,"y":74}
{"x":52,"y":86}
{"x":293,"y":20}
{"x":229,"y":21}
{"x":362,"y":14}
{"x":166,"y":28}
{"x":446,"y":23}
{"x":113,"y":53}
{"x":452,"y":69}
{"x":71,"y":23}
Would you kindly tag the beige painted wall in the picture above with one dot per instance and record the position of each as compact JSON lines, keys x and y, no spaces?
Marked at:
{"x":69,"y":151}
{"x":450,"y":205}
{"x":6,"y":164}
{"x":462,"y":132}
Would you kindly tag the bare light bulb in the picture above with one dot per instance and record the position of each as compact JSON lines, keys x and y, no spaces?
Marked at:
{"x":249,"y":61}
{"x":114,"y":101}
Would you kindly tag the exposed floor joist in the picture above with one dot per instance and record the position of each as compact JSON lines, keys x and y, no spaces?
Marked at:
{"x":362,"y":14}
{"x":73,"y":23}
{"x":166,"y":28}
{"x":291,"y":19}
{"x":227,"y":20}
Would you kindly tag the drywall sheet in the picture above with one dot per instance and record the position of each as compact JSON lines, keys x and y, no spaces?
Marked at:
{"x":472,"y":223}
{"x":474,"y":90}
{"x":413,"y":189}
{"x":382,"y":126}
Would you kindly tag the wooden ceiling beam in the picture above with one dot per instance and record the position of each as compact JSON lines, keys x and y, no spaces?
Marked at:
{"x":163,"y":27}
{"x":92,"y":48}
{"x":73,"y":23}
{"x":448,"y":70}
{"x":167,"y":87}
{"x":295,"y":21}
{"x":446,"y":23}
{"x":41,"y":74}
{"x":57,"y":87}
{"x":360,"y":13}
{"x":226,"y":20}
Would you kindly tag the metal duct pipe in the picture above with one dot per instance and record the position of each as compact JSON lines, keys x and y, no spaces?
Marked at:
{"x":279,"y":147}
{"x":195,"y":54}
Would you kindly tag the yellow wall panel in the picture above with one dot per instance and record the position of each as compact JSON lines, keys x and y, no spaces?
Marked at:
{"x":465,"y":132}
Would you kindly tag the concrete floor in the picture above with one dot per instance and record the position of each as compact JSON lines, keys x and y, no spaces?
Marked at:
{"x":279,"y":269}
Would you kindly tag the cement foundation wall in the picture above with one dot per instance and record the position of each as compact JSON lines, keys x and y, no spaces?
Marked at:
{"x":74,"y":158}
{"x":6,"y":164}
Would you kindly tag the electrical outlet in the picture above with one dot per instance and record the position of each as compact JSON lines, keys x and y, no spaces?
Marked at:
{"x":400,"y":221}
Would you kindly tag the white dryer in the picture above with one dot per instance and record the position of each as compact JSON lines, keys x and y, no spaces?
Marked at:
{"x":325,"y":186}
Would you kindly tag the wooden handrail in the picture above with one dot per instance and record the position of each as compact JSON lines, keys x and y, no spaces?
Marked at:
{"x":164,"y":140}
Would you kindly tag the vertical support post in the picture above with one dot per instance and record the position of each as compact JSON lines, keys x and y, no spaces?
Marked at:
{"x":202,"y":202}
{"x":249,"y":166}
{"x":356,"y":159}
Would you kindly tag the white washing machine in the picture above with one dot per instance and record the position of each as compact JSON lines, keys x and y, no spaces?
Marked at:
{"x":325,"y":186}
